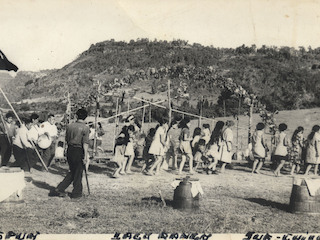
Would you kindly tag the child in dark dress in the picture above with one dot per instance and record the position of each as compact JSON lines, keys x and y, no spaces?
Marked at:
{"x":148,"y":158}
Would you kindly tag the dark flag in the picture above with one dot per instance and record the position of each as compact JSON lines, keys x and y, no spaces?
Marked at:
{"x":5,"y":64}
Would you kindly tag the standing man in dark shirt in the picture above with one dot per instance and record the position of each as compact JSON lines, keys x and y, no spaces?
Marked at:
{"x":77,"y":138}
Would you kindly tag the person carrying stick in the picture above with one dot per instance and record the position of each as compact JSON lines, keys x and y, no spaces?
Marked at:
{"x":77,"y":138}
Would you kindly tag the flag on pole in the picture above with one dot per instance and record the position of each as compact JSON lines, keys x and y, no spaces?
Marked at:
{"x":5,"y":64}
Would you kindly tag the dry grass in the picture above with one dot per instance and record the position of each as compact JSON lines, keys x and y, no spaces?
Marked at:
{"x":234,"y":202}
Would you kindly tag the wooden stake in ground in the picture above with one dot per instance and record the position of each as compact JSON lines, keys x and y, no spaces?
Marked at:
{"x":96,"y":119}
{"x":115,"y":125}
{"x":143,"y":114}
{"x":169,"y":102}
{"x":150,"y":113}
{"x":239,"y":106}
{"x":250,"y":122}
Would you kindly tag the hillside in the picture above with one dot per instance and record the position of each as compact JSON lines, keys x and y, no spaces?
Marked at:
{"x":282,"y":78}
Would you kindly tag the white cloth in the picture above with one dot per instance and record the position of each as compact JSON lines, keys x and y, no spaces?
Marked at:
{"x":34,"y":133}
{"x":11,"y":182}
{"x":59,"y":153}
{"x":195,"y":187}
{"x":49,"y":128}
{"x":313,"y":186}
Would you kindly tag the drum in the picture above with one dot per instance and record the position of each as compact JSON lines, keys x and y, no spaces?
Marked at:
{"x":44,"y":141}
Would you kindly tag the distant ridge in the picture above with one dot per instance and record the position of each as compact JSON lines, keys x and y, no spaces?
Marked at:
{"x":282,"y":77}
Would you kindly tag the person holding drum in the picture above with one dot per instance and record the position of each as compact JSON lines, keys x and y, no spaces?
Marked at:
{"x":35,"y":131}
{"x":47,"y":140}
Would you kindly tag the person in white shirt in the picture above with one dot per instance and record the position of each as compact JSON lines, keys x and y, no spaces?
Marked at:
{"x":23,"y":152}
{"x":34,"y":131}
{"x":50,"y":129}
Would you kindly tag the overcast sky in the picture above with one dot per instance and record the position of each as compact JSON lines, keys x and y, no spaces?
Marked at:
{"x":46,"y":34}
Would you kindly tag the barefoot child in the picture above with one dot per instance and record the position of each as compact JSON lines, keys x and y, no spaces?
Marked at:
{"x":196,"y":137}
{"x":200,"y":155}
{"x":313,"y":150}
{"x":185,"y":145}
{"x":157,"y":148}
{"x":296,"y":149}
{"x":148,"y":158}
{"x":259,"y":148}
{"x":206,"y":132}
{"x":281,"y":151}
{"x":214,"y":146}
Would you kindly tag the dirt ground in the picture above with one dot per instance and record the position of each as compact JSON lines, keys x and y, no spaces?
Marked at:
{"x":233,"y":202}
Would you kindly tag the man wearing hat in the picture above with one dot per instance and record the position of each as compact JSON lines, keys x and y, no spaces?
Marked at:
{"x":7,"y":132}
{"x":77,"y":138}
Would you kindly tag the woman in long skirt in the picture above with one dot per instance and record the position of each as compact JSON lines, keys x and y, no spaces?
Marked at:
{"x":227,"y":144}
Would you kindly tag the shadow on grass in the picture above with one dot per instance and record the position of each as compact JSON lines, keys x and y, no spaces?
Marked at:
{"x":56,"y":169}
{"x":42,"y":185}
{"x":268,"y":203}
{"x":156,"y":201}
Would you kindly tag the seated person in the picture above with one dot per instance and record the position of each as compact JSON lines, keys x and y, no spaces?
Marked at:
{"x":200,"y":155}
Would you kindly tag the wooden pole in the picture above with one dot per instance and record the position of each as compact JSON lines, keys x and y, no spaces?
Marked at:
{"x":32,"y":143}
{"x":96,"y":119}
{"x":173,"y":110}
{"x":169,"y":102}
{"x":115,"y":126}
{"x":128,"y":106}
{"x":143,"y":114}
{"x":200,"y":112}
{"x":132,"y":110}
{"x":150,"y":114}
{"x":238,"y":123}
{"x":250,"y":121}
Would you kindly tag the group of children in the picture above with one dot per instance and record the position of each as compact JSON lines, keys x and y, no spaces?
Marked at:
{"x":165,"y":142}
{"x":297,"y":151}
{"x":205,"y":148}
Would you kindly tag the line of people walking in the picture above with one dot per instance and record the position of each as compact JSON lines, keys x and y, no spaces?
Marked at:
{"x":166,"y":141}
{"x":298,"y":151}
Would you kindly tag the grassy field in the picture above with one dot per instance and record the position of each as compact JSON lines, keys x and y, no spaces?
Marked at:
{"x":233,"y":202}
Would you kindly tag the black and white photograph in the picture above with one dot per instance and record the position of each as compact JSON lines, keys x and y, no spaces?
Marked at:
{"x":149,"y":119}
